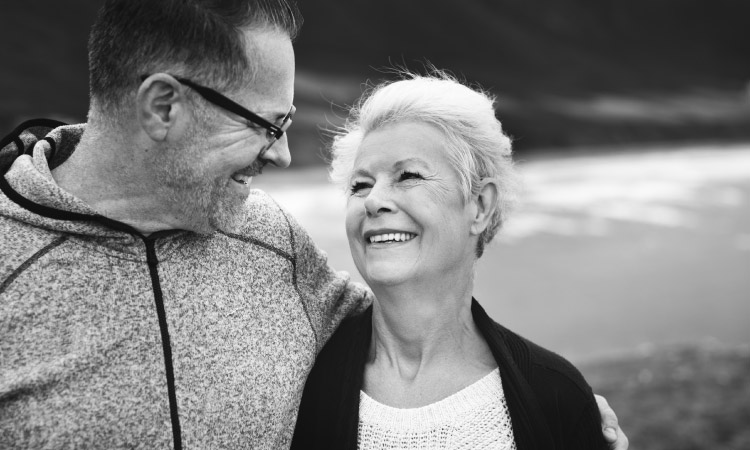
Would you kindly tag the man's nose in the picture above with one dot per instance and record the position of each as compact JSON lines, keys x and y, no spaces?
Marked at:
{"x":278,"y":154}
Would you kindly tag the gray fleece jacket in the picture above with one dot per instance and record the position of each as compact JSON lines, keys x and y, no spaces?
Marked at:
{"x":110,"y":339}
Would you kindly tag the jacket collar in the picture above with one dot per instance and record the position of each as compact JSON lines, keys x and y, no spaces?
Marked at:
{"x":31,"y":195}
{"x":511,"y":354}
{"x":23,"y":138}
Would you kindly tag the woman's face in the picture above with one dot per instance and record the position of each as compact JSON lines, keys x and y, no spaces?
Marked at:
{"x":406,"y":218}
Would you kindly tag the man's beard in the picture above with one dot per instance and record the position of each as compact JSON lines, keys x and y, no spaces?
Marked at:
{"x":211,"y":206}
{"x":202,"y":204}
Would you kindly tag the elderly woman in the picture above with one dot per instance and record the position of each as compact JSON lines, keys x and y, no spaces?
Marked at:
{"x":430,"y":181}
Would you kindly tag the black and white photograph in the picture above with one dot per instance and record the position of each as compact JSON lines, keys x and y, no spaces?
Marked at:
{"x":288,"y":224}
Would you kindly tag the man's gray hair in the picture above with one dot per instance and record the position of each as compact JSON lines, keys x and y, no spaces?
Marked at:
{"x":200,"y":39}
{"x":477,"y":146}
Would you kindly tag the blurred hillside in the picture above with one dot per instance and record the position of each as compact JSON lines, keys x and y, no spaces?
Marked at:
{"x":688,"y":397}
{"x":566,"y":73}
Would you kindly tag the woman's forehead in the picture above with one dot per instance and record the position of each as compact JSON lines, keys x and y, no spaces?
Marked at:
{"x":411,"y":143}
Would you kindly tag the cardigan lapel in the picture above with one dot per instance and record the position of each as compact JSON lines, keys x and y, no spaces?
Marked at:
{"x":530,"y":427}
{"x":345,"y":375}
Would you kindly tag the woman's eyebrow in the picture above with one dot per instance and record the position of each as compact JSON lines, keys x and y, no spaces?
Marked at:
{"x":409,"y":161}
{"x":360,"y":173}
{"x":398,"y":165}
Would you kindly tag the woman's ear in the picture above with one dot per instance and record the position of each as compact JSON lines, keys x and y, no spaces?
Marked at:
{"x":485,"y":204}
{"x":160,"y":102}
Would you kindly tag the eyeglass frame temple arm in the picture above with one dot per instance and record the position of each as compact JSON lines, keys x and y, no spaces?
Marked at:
{"x":220,"y":101}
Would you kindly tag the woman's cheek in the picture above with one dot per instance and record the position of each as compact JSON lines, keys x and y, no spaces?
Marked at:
{"x":442,"y":191}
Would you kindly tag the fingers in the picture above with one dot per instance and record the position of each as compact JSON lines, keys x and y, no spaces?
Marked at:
{"x":609,"y":418}
{"x":610,"y":427}
{"x":622,"y":441}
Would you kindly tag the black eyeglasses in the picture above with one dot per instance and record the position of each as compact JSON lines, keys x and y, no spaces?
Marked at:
{"x":273,"y":132}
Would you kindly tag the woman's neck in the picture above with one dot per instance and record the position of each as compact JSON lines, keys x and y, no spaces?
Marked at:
{"x":424,"y":345}
{"x":416,"y":329}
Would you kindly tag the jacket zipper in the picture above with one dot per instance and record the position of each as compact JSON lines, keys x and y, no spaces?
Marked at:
{"x":153,"y":263}
{"x":151,"y":259}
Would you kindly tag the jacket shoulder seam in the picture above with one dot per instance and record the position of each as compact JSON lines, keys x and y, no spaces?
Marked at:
{"x":31,"y":260}
{"x":259,"y":243}
{"x":295,"y":279}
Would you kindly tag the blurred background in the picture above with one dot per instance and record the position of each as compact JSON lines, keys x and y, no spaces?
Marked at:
{"x":630,"y":254}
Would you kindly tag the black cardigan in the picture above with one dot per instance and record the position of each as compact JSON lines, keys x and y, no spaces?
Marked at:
{"x":551,"y":406}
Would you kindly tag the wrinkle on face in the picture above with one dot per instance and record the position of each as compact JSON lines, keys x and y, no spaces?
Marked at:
{"x":199,"y":172}
{"x":404,"y":173}
{"x":442,"y":189}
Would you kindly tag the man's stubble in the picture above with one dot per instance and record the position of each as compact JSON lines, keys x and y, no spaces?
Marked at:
{"x":204,"y":202}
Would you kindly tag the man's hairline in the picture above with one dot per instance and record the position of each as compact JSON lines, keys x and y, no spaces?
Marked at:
{"x":97,"y":103}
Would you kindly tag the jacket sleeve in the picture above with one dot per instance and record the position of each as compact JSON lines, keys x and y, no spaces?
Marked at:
{"x":328,"y":296}
{"x":587,"y":432}
{"x":569,"y":404}
{"x":329,"y":410}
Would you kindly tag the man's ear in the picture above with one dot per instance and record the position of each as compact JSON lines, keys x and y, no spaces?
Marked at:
{"x":161,"y":106}
{"x":484,"y":205}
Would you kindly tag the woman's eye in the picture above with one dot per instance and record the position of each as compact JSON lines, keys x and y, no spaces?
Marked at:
{"x":406,"y":175}
{"x":358,"y":187}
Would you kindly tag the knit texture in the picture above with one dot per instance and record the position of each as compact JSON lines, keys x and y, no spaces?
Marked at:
{"x":82,"y":350}
{"x":475,"y":418}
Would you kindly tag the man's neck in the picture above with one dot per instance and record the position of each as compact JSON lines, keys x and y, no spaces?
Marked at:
{"x":110,"y":176}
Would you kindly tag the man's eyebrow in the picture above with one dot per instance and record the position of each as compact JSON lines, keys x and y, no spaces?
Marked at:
{"x":270,"y":116}
{"x":280,"y":115}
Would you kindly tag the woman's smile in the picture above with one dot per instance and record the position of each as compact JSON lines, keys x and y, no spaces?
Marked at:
{"x":388,"y":237}
{"x":406,"y":219}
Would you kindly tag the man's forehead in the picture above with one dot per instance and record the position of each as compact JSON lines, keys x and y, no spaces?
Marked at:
{"x":271,"y":56}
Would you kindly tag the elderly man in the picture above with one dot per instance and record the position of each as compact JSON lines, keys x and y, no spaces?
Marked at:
{"x":148,"y":297}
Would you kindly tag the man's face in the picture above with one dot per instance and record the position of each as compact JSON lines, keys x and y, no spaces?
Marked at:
{"x":209,"y":171}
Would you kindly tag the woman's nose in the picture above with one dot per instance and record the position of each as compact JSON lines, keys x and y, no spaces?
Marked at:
{"x":379,"y":201}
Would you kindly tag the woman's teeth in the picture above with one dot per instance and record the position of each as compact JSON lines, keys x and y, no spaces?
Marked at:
{"x":391,"y":237}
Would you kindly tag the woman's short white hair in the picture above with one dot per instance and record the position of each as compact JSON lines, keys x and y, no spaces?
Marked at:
{"x":477,"y":146}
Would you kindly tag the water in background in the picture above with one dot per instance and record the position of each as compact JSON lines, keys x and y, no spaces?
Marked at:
{"x":608,"y":253}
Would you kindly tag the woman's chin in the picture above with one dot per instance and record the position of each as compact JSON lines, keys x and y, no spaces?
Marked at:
{"x":385,"y":276}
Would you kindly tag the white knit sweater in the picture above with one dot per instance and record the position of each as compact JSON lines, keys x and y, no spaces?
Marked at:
{"x":475,"y":417}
